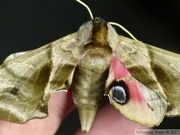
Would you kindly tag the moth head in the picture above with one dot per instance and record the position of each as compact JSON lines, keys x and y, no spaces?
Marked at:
{"x":112,"y":36}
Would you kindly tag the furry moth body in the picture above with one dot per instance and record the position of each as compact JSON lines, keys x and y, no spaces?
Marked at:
{"x":93,"y":61}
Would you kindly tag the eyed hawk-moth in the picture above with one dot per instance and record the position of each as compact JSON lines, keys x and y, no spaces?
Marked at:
{"x":93,"y":61}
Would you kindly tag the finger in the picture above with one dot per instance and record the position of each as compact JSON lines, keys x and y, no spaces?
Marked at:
{"x":109,"y":121}
{"x":60,"y":104}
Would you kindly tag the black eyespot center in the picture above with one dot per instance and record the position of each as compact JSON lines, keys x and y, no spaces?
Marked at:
{"x":120,"y":92}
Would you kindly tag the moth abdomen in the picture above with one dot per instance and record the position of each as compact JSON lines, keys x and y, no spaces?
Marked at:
{"x":89,"y":83}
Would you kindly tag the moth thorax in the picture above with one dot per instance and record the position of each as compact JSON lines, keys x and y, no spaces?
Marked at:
{"x":99,"y":32}
{"x":91,"y":74}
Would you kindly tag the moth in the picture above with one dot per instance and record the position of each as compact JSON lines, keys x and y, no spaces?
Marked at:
{"x":94,"y":61}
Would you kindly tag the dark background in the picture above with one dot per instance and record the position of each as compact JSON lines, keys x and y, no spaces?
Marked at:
{"x":29,"y":24}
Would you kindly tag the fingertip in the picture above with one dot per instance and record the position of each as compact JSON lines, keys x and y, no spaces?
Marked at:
{"x":59,"y":105}
{"x":109,"y":121}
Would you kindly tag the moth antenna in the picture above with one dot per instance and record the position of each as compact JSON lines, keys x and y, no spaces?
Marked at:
{"x":124,"y":29}
{"x":86,"y":6}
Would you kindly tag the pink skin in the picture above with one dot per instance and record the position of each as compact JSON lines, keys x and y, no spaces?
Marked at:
{"x":60,"y":105}
{"x":107,"y":122}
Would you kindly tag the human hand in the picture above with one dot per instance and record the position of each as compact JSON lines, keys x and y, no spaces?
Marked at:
{"x":108,"y":120}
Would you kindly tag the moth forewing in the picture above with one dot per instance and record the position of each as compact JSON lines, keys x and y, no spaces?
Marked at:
{"x":27,"y":81}
{"x":14,"y":55}
{"x":155,"y":68}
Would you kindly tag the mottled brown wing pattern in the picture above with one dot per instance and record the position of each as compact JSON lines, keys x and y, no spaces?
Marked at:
{"x":156,"y":68}
{"x":28,"y":79}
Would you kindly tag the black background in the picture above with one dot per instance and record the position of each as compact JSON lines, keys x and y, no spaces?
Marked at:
{"x":29,"y":24}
